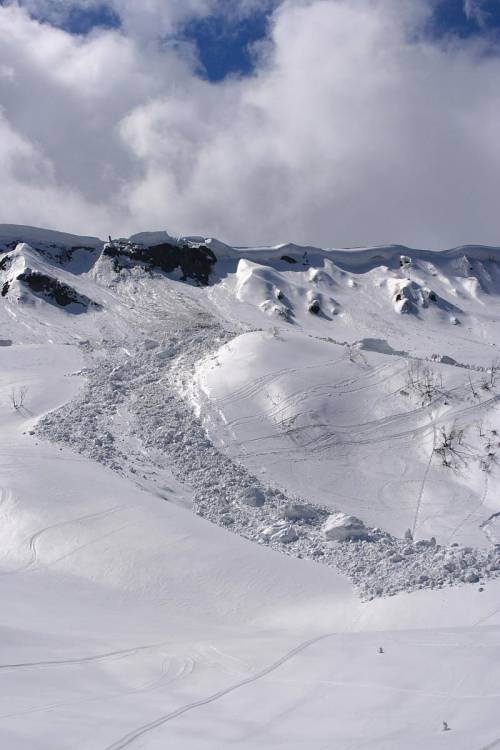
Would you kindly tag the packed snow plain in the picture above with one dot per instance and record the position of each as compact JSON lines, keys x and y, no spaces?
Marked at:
{"x":128,"y":620}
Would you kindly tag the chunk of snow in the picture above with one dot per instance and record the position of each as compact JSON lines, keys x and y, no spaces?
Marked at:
{"x":340,"y":527}
{"x":280,"y":532}
{"x":299,"y":512}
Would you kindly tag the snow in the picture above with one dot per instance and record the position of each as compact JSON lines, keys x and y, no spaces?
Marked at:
{"x":129,"y":620}
{"x":33,"y":235}
{"x":339,"y":527}
{"x":152,"y":238}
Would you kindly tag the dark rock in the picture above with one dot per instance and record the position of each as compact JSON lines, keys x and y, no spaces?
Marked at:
{"x":5,"y":289}
{"x":195,"y":262}
{"x":55,"y":291}
{"x":5,"y":263}
{"x":288,"y":259}
{"x":471,"y":577}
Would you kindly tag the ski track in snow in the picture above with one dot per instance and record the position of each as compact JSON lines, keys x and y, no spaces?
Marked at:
{"x":34,"y":539}
{"x":135,"y":734}
{"x":424,"y":478}
{"x":81,"y":659}
{"x":184,"y":669}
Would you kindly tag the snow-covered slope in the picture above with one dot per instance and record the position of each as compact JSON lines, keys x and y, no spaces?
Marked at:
{"x":281,"y":402}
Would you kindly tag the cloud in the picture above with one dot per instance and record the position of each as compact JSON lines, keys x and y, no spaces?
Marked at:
{"x":475,"y":10}
{"x":353,"y":130}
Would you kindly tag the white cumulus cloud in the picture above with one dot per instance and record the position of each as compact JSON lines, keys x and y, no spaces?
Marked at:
{"x":354,"y":129}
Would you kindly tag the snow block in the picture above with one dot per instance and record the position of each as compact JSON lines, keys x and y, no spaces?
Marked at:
{"x":339,"y":527}
{"x":299,"y":512}
{"x":280,"y":532}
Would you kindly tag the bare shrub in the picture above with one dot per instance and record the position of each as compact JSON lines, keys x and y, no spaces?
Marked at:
{"x":17,"y":396}
{"x":423,"y":380}
{"x":451,"y":448}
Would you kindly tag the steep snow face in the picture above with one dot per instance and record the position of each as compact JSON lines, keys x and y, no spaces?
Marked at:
{"x":31,"y":280}
{"x":131,"y":621}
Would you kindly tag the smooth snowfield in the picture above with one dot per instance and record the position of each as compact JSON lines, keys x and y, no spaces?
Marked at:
{"x":128,"y":621}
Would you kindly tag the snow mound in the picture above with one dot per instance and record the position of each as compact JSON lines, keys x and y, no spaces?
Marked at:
{"x":408,"y":296}
{"x":260,"y":285}
{"x":148,"y":239}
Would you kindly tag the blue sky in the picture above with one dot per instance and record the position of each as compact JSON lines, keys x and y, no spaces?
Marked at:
{"x":224,"y":45}
{"x":450,"y":17}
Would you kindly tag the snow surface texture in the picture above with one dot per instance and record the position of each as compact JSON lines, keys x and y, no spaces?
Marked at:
{"x":321,"y":433}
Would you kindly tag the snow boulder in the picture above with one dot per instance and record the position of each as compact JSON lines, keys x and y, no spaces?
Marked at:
{"x":252,"y":496}
{"x":299,"y":512}
{"x":339,"y":527}
{"x":280,"y":532}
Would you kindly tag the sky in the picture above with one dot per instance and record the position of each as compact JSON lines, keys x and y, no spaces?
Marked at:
{"x":338,"y":123}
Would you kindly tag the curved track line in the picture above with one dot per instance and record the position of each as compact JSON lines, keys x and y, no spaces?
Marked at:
{"x":81,"y":659}
{"x":469,"y":515}
{"x":495,"y":743}
{"x":135,"y":734}
{"x":32,"y":544}
{"x":424,"y":478}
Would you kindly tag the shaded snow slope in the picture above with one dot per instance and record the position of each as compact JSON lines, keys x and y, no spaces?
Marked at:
{"x":130,"y":621}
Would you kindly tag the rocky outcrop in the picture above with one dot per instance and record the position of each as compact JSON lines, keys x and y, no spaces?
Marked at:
{"x":5,"y":263}
{"x":55,"y":292}
{"x":194,"y":262}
